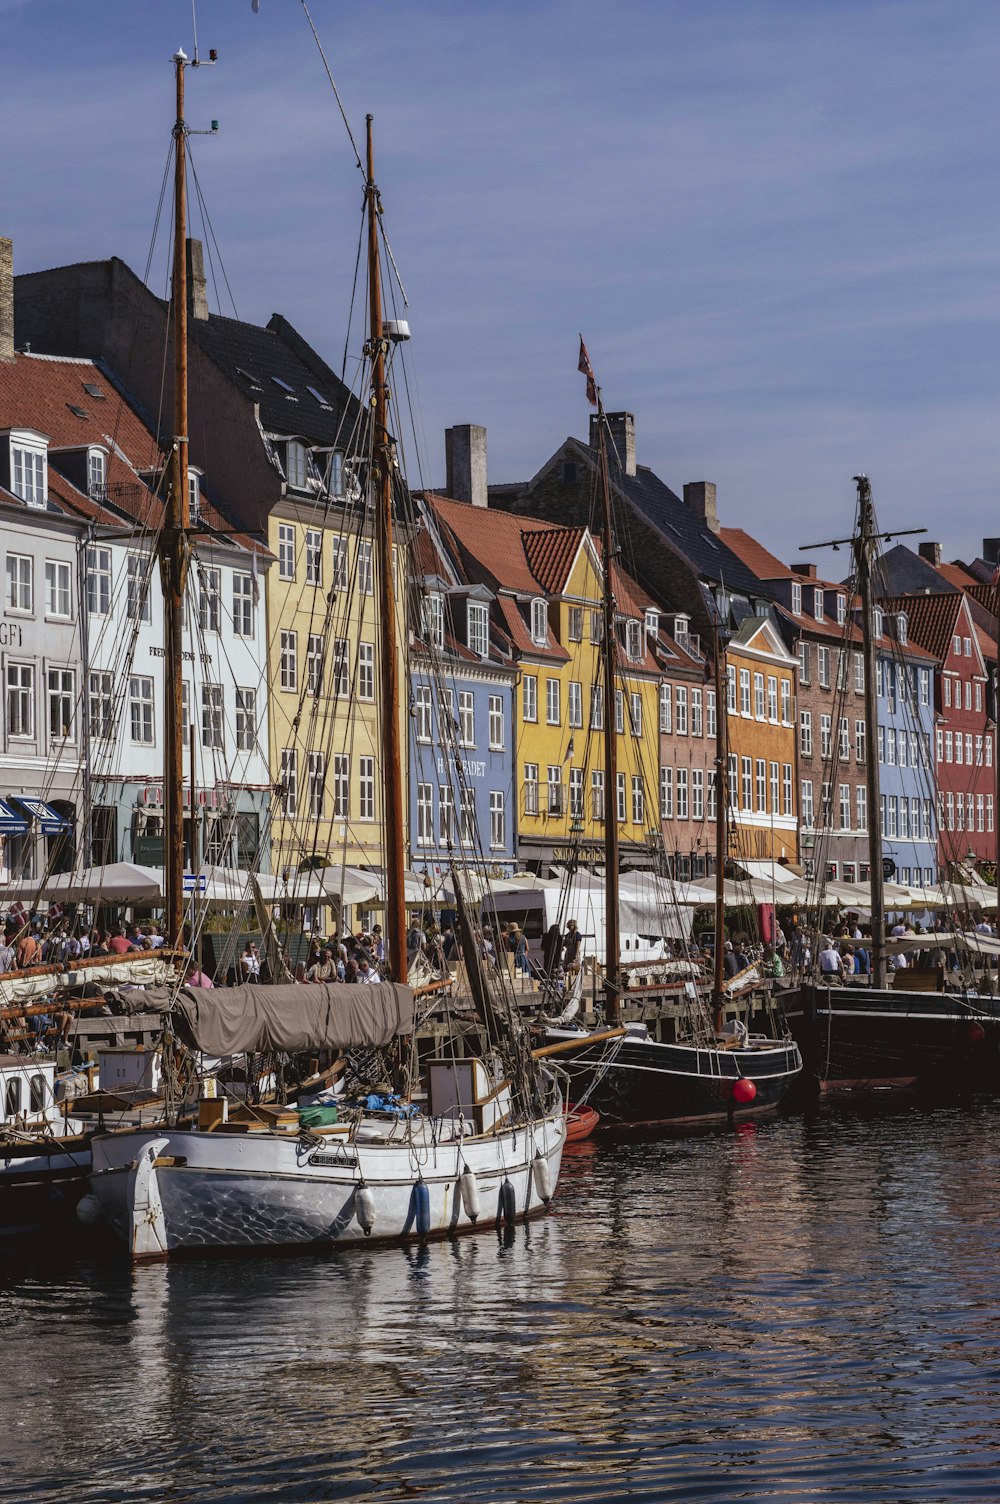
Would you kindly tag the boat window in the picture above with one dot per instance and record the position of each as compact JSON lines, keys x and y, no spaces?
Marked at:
{"x":13,"y":1097}
{"x":38,"y":1094}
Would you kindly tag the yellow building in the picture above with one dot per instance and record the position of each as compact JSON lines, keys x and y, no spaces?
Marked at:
{"x":545,"y":584}
{"x":325,"y":684}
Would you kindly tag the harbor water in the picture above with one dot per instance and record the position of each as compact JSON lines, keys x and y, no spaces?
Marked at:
{"x":806,"y":1309}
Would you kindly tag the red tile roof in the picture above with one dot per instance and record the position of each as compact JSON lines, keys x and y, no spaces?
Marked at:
{"x":930,"y":619}
{"x":758,"y":559}
{"x":550,"y":553}
{"x":957,"y":574}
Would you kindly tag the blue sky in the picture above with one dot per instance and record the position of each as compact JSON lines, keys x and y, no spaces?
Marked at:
{"x":776,"y":221}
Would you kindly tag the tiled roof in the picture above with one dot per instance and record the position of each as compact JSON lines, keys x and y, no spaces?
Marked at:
{"x":760,"y":562}
{"x":957,"y":575}
{"x":930,"y":619}
{"x":683,"y":530}
{"x":550,"y":552}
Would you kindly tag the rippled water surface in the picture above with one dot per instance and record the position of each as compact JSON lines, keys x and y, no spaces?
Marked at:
{"x":794,"y":1311}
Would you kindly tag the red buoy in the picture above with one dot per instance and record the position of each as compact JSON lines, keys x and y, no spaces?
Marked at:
{"x":976,"y":1033}
{"x":744,"y":1090}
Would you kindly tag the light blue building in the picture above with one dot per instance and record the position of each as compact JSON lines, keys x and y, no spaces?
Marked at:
{"x":907,"y":780}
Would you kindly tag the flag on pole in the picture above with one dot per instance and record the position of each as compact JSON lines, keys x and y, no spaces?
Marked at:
{"x":583,"y":364}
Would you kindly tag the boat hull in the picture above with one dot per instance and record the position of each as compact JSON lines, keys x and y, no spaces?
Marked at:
{"x":171,"y":1191}
{"x":856,"y":1038}
{"x":640,"y":1085}
{"x":41,"y":1182}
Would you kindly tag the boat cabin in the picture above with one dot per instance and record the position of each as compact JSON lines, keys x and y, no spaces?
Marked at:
{"x":26,"y":1089}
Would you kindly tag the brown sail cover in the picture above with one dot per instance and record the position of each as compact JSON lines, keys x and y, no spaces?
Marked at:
{"x":320,"y":1016}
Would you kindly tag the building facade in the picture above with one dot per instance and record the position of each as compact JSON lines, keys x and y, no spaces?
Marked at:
{"x":761,"y":745}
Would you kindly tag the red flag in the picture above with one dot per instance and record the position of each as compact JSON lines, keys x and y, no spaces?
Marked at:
{"x":584,"y":365}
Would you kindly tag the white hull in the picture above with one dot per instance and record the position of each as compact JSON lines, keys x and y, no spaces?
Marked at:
{"x":167,"y":1191}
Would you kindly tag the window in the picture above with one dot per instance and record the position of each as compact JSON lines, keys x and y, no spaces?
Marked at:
{"x":681,"y":775}
{"x":786,"y":788}
{"x":59,"y":589}
{"x":101,"y":705}
{"x":804,"y":662}
{"x":531,"y":788}
{"x":959,"y":748}
{"x":477,"y":624}
{"x":806,"y":801}
{"x":652,"y":620}
{"x":20,"y":587}
{"x":638,"y":802}
{"x":731,"y":689}
{"x":597,"y":794}
{"x":619,"y":711}
{"x":890,"y":747}
{"x":666,"y":708}
{"x":296,"y":464}
{"x":597,"y":707}
{"x":696,"y":716}
{"x":732,"y":790}
{"x":989,"y":812}
{"x":861,"y":807}
{"x":967,"y":641}
{"x":825,"y":736}
{"x":246,"y":719}
{"x":554,"y":791}
{"x":968,"y":749}
{"x":365,"y":582}
{"x":892,"y":818}
{"x":744,"y":691}
{"x":28,"y":476}
{"x":575,"y":705}
{"x":805,"y":733}
{"x":947,"y":690}
{"x":879,"y":622}
{"x":211,"y":715}
{"x":315,"y":781}
{"x":979,"y":695}
{"x":286,"y":551}
{"x":772,"y":697}
{"x":335,"y":469}
{"x":366,"y":671}
{"x":432,"y":609}
{"x":575,"y":624}
{"x":635,"y":713}
{"x":62,"y":704}
{"x":341,"y":668}
{"x":498,"y":821}
{"x":244,"y":612}
{"x":859,"y":674}
{"x":137,"y":604}
{"x":968,"y":694}
{"x":844,"y":749}
{"x":422,"y":713}
{"x":904,"y":819}
{"x":466,"y":718}
{"x":746,"y":782}
{"x":666,"y":793}
{"x":446,"y":809}
{"x":818,"y":603}
{"x":341,"y":786}
{"x":314,"y":665}
{"x":425,"y":814}
{"x":947,"y":746}
{"x":633,"y":640}
{"x":903,"y":747}
{"x":290,"y":780}
{"x":209,"y":587}
{"x":529,"y":697}
{"x":539,"y":622}
{"x":761,"y":780}
{"x":823,"y":667}
{"x":796,"y":598}
{"x":289,"y":670}
{"x":576,"y":792}
{"x":339,"y":579}
{"x":467,"y":817}
{"x":845,"y":806}
{"x":758,"y":696}
{"x":842,"y":610}
{"x":596,"y":630}
{"x":711,"y":723}
{"x":314,"y":556}
{"x":140,"y":691}
{"x":681,"y":706}
{"x":496,"y":722}
{"x":552,"y":705}
{"x":713,"y":808}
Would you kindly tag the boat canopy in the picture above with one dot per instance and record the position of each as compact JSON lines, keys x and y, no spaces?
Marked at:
{"x":321,"y":1016}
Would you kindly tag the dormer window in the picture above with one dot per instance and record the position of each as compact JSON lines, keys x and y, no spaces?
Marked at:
{"x":477,"y":623}
{"x":194,"y":494}
{"x":296,"y":464}
{"x":539,"y":622}
{"x":97,"y":472}
{"x":796,"y":598}
{"x":818,"y":603}
{"x":681,"y":625}
{"x":841,"y":610}
{"x":29,"y":467}
{"x":335,"y":481}
{"x":879,"y":622}
{"x":433,"y":612}
{"x":633,"y":640}
{"x":652,"y":622}
{"x":902,"y":628}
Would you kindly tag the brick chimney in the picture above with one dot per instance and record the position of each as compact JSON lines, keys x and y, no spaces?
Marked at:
{"x":465,"y":459}
{"x":931,"y":552}
{"x":197,"y":290}
{"x":807,"y":571}
{"x":991,"y":546}
{"x":699,"y":497}
{"x":6,"y":299}
{"x":621,"y":438}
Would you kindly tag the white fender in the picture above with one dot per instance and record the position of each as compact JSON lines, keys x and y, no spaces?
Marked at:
{"x":542,"y":1177}
{"x":364,"y":1207}
{"x":470,"y":1193}
{"x":149,"y":1228}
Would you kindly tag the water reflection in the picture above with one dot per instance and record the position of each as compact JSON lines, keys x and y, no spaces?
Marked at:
{"x":790,"y":1309}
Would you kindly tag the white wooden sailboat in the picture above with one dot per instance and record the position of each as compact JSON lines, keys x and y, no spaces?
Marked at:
{"x":481,"y":1139}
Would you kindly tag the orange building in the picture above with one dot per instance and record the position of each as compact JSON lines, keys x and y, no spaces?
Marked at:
{"x":761,"y":745}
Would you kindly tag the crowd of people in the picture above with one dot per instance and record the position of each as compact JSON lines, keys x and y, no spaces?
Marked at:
{"x":52,"y":939}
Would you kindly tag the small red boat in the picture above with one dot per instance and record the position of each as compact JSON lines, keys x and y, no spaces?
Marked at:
{"x":580,"y":1123}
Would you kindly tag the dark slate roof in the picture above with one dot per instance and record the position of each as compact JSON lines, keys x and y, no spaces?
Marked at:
{"x":684,"y":531}
{"x":904,"y":572}
{"x":252,"y":357}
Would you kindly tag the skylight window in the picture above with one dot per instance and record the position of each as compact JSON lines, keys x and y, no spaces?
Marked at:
{"x":323,"y":401}
{"x":78,"y":412}
{"x":288,"y":390}
{"x":93,"y":390}
{"x":247,"y":377}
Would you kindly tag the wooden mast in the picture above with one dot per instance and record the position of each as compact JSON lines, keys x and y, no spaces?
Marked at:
{"x":381,"y":482}
{"x":174,"y":547}
{"x":721,"y":823}
{"x":865,"y":543}
{"x":612,"y":963}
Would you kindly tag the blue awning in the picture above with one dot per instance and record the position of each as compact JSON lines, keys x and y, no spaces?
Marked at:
{"x":49,"y":820}
{"x":11,"y":823}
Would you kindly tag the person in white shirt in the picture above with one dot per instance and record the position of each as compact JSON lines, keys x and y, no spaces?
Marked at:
{"x":830,"y":962}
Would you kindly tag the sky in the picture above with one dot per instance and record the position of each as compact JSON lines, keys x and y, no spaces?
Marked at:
{"x":775,"y":221}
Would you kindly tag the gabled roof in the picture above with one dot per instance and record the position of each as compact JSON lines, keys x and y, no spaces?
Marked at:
{"x":932,"y":620}
{"x":904,"y":572}
{"x":551,"y":553}
{"x":957,"y":575}
{"x":759,"y":560}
